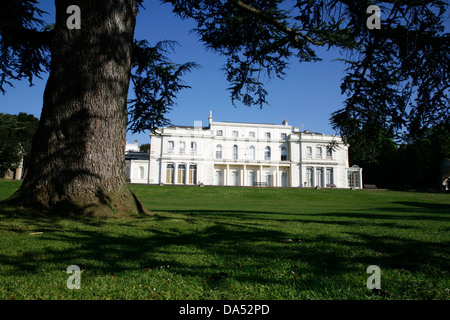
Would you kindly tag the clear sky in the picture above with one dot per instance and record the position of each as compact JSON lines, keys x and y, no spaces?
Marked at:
{"x":306,"y":97}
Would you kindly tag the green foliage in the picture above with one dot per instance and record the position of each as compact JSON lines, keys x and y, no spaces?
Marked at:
{"x":397,"y":78}
{"x":414,"y":163}
{"x":16,"y":134}
{"x":145,"y":147}
{"x":156,"y":81}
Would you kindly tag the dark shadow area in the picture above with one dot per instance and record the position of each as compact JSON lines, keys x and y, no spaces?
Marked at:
{"x":104,"y":251}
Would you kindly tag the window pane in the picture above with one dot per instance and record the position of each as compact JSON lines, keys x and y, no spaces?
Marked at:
{"x":267,"y":153}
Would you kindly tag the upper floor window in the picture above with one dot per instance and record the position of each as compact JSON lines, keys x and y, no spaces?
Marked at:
{"x":267,"y":135}
{"x":319,"y":152}
{"x":218,"y":151}
{"x":171,"y":145}
{"x":219,"y":133}
{"x":329,"y":153}
{"x":284,"y":136}
{"x":251,"y":134}
{"x":283,"y":153}
{"x":235,"y":134}
{"x":182,"y":147}
{"x":309,"y":152}
{"x":267,"y":153}
{"x":235,"y":152}
{"x":251,"y":153}
{"x":193,"y":146}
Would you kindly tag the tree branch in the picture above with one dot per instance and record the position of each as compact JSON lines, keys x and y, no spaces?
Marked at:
{"x":281,"y":26}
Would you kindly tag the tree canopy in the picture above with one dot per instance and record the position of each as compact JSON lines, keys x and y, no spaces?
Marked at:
{"x":397,"y":77}
{"x":396,"y":83}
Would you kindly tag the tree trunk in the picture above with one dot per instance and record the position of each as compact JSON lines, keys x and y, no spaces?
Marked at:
{"x":77,"y":162}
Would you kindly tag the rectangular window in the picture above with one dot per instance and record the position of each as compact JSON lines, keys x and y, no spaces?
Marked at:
{"x":219,"y":133}
{"x":235,"y":178}
{"x":319,"y":152}
{"x":251,"y":178}
{"x":329,"y":153}
{"x":319,"y":177}
{"x":171,"y":145}
{"x":182,"y":147}
{"x":182,"y":174}
{"x":309,"y":152}
{"x":251,"y":134}
{"x":267,"y":135}
{"x":284,"y":136}
{"x":268,"y":179}
{"x":235,"y":134}
{"x":218,"y":178}
{"x":309,"y":177}
{"x":330,"y":179}
{"x":169,"y":173}
{"x":192,"y":174}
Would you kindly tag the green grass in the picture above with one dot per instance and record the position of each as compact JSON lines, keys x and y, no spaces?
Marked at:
{"x":234,"y":243}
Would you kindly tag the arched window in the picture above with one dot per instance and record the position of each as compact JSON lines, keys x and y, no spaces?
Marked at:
{"x":283,"y":153}
{"x":267,"y":153}
{"x":251,"y":153}
{"x":235,"y":152}
{"x":219,"y":151}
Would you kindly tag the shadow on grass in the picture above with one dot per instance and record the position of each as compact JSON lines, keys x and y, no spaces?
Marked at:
{"x":259,"y":249}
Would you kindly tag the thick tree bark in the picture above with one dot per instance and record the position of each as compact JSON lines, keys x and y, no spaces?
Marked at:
{"x":77,"y":159}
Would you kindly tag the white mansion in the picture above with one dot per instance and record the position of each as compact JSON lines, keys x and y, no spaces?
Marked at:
{"x":248,"y":154}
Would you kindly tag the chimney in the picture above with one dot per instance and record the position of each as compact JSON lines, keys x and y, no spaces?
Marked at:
{"x":210,"y":118}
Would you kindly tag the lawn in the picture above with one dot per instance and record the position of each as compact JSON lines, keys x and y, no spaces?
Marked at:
{"x":234,"y":243}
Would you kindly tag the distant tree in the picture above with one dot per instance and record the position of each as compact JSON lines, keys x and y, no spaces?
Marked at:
{"x":145,"y":147}
{"x":16,"y":134}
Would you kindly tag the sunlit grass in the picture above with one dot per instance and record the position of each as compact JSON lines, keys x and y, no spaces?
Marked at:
{"x":234,"y":243}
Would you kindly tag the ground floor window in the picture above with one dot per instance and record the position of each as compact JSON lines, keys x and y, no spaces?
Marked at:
{"x":268,"y":179}
{"x":330,"y":178}
{"x":181,"y":174}
{"x":309,"y":177}
{"x":284,"y":179}
{"x":218,"y":178}
{"x":193,"y":174}
{"x":251,"y":178}
{"x":319,"y":177}
{"x":353,"y":179}
{"x":169,"y":173}
{"x":235,"y":178}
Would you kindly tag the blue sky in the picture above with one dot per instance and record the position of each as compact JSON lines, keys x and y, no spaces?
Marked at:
{"x":306,"y":97}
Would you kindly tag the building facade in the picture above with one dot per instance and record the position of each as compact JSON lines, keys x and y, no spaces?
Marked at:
{"x":136,"y":164}
{"x":250,"y":154}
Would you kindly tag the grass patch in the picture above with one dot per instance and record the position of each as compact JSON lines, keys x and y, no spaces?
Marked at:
{"x":234,"y":243}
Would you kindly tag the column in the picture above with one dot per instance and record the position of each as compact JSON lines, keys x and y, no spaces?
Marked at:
{"x":360,"y":178}
{"x":261,"y":178}
{"x":227,"y":172}
{"x":277,"y":177}
{"x":244,"y":176}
